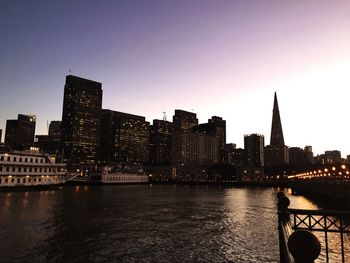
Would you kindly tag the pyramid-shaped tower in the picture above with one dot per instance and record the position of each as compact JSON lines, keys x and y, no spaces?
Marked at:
{"x":276,"y":129}
{"x":276,"y":154}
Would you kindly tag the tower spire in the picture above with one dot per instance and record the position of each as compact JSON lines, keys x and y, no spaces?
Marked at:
{"x":276,"y":128}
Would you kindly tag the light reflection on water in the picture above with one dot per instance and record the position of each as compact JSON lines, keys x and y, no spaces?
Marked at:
{"x":139,"y":223}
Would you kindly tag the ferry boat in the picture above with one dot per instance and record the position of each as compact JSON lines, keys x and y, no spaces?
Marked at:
{"x":117,"y":175}
{"x":30,"y":168}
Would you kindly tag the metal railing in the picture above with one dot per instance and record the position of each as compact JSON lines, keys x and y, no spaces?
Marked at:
{"x":298,"y":243}
{"x":325,"y":221}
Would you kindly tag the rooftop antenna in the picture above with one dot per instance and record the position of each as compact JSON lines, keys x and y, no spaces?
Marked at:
{"x":164,"y":116}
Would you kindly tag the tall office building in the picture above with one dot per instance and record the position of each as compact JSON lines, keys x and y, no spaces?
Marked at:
{"x":276,"y":154}
{"x":160,"y":142}
{"x":81,"y":118}
{"x":216,"y":126}
{"x":50,"y":143}
{"x":183,"y":122}
{"x":124,"y":138}
{"x":20,"y":133}
{"x":254,"y":150}
{"x":196,"y":145}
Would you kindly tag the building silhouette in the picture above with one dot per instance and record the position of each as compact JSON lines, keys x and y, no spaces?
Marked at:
{"x":196,"y":147}
{"x":50,"y":143}
{"x":254,"y":150}
{"x":160,"y":142}
{"x":276,"y":154}
{"x":19,"y":133}
{"x":124,"y":138}
{"x":81,"y":117}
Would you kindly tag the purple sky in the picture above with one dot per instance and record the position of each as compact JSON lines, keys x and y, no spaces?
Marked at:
{"x":223,"y":58}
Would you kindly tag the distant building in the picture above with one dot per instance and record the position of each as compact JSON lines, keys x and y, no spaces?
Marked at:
{"x":195,"y":147}
{"x":229,"y":153}
{"x":216,"y":126}
{"x":81,"y":119}
{"x":276,"y":154}
{"x":160,"y":142}
{"x":50,"y":143}
{"x":124,"y":138}
{"x":238,"y":157}
{"x":309,"y":154}
{"x":254,"y":150}
{"x":0,"y":135}
{"x":329,"y":157}
{"x":20,"y":133}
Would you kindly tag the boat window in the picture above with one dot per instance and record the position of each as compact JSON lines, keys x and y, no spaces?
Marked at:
{"x":30,"y":169}
{"x":0,"y":168}
{"x":8,"y":158}
{"x":7,"y":168}
{"x":29,"y":180}
{"x":36,"y":160}
{"x":31,"y":160}
{"x":25,"y":169}
{"x":34,"y":179}
{"x":6,"y":180}
{"x":20,"y":159}
{"x":14,"y":159}
{"x":35,"y":169}
{"x":26,"y":159}
{"x":39,"y":179}
{"x":12,"y":180}
{"x":13,"y":169}
{"x":24,"y":180}
{"x":18,"y":180}
{"x":2,"y":158}
{"x":41,"y":160}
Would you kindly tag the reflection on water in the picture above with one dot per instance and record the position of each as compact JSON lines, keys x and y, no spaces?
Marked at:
{"x":141,"y":224}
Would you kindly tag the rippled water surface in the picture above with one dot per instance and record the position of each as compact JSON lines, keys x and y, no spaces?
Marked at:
{"x":141,"y":223}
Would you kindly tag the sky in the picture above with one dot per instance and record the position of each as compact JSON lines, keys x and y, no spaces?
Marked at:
{"x":216,"y":58}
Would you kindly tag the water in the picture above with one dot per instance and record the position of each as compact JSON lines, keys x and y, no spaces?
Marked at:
{"x":141,"y":223}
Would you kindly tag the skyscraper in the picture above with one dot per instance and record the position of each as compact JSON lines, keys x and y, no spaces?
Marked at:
{"x":20,"y":133}
{"x":160,"y":145}
{"x":276,"y":154}
{"x":254,"y":150}
{"x":81,"y":118}
{"x":124,"y":138}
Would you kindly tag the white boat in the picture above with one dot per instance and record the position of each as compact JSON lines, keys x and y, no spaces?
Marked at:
{"x":110,"y":176}
{"x":30,"y":168}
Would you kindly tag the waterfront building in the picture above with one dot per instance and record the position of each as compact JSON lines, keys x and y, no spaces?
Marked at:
{"x":276,"y":153}
{"x":309,"y":154}
{"x":20,"y":133}
{"x":183,"y":122}
{"x":160,"y":143}
{"x":124,"y":138}
{"x":216,"y":126}
{"x":238,"y":157}
{"x":81,"y":119}
{"x":229,"y":153}
{"x":50,"y":143}
{"x":329,"y":157}
{"x":254,"y":150}
{"x":194,"y":145}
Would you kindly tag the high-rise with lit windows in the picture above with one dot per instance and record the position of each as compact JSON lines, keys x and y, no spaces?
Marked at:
{"x":81,"y":119}
{"x":20,"y":133}
{"x":124,"y":138}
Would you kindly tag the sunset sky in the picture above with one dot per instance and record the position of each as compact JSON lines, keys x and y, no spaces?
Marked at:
{"x":223,"y":58}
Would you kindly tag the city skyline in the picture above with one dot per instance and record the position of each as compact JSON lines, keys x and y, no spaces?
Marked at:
{"x":216,"y":59}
